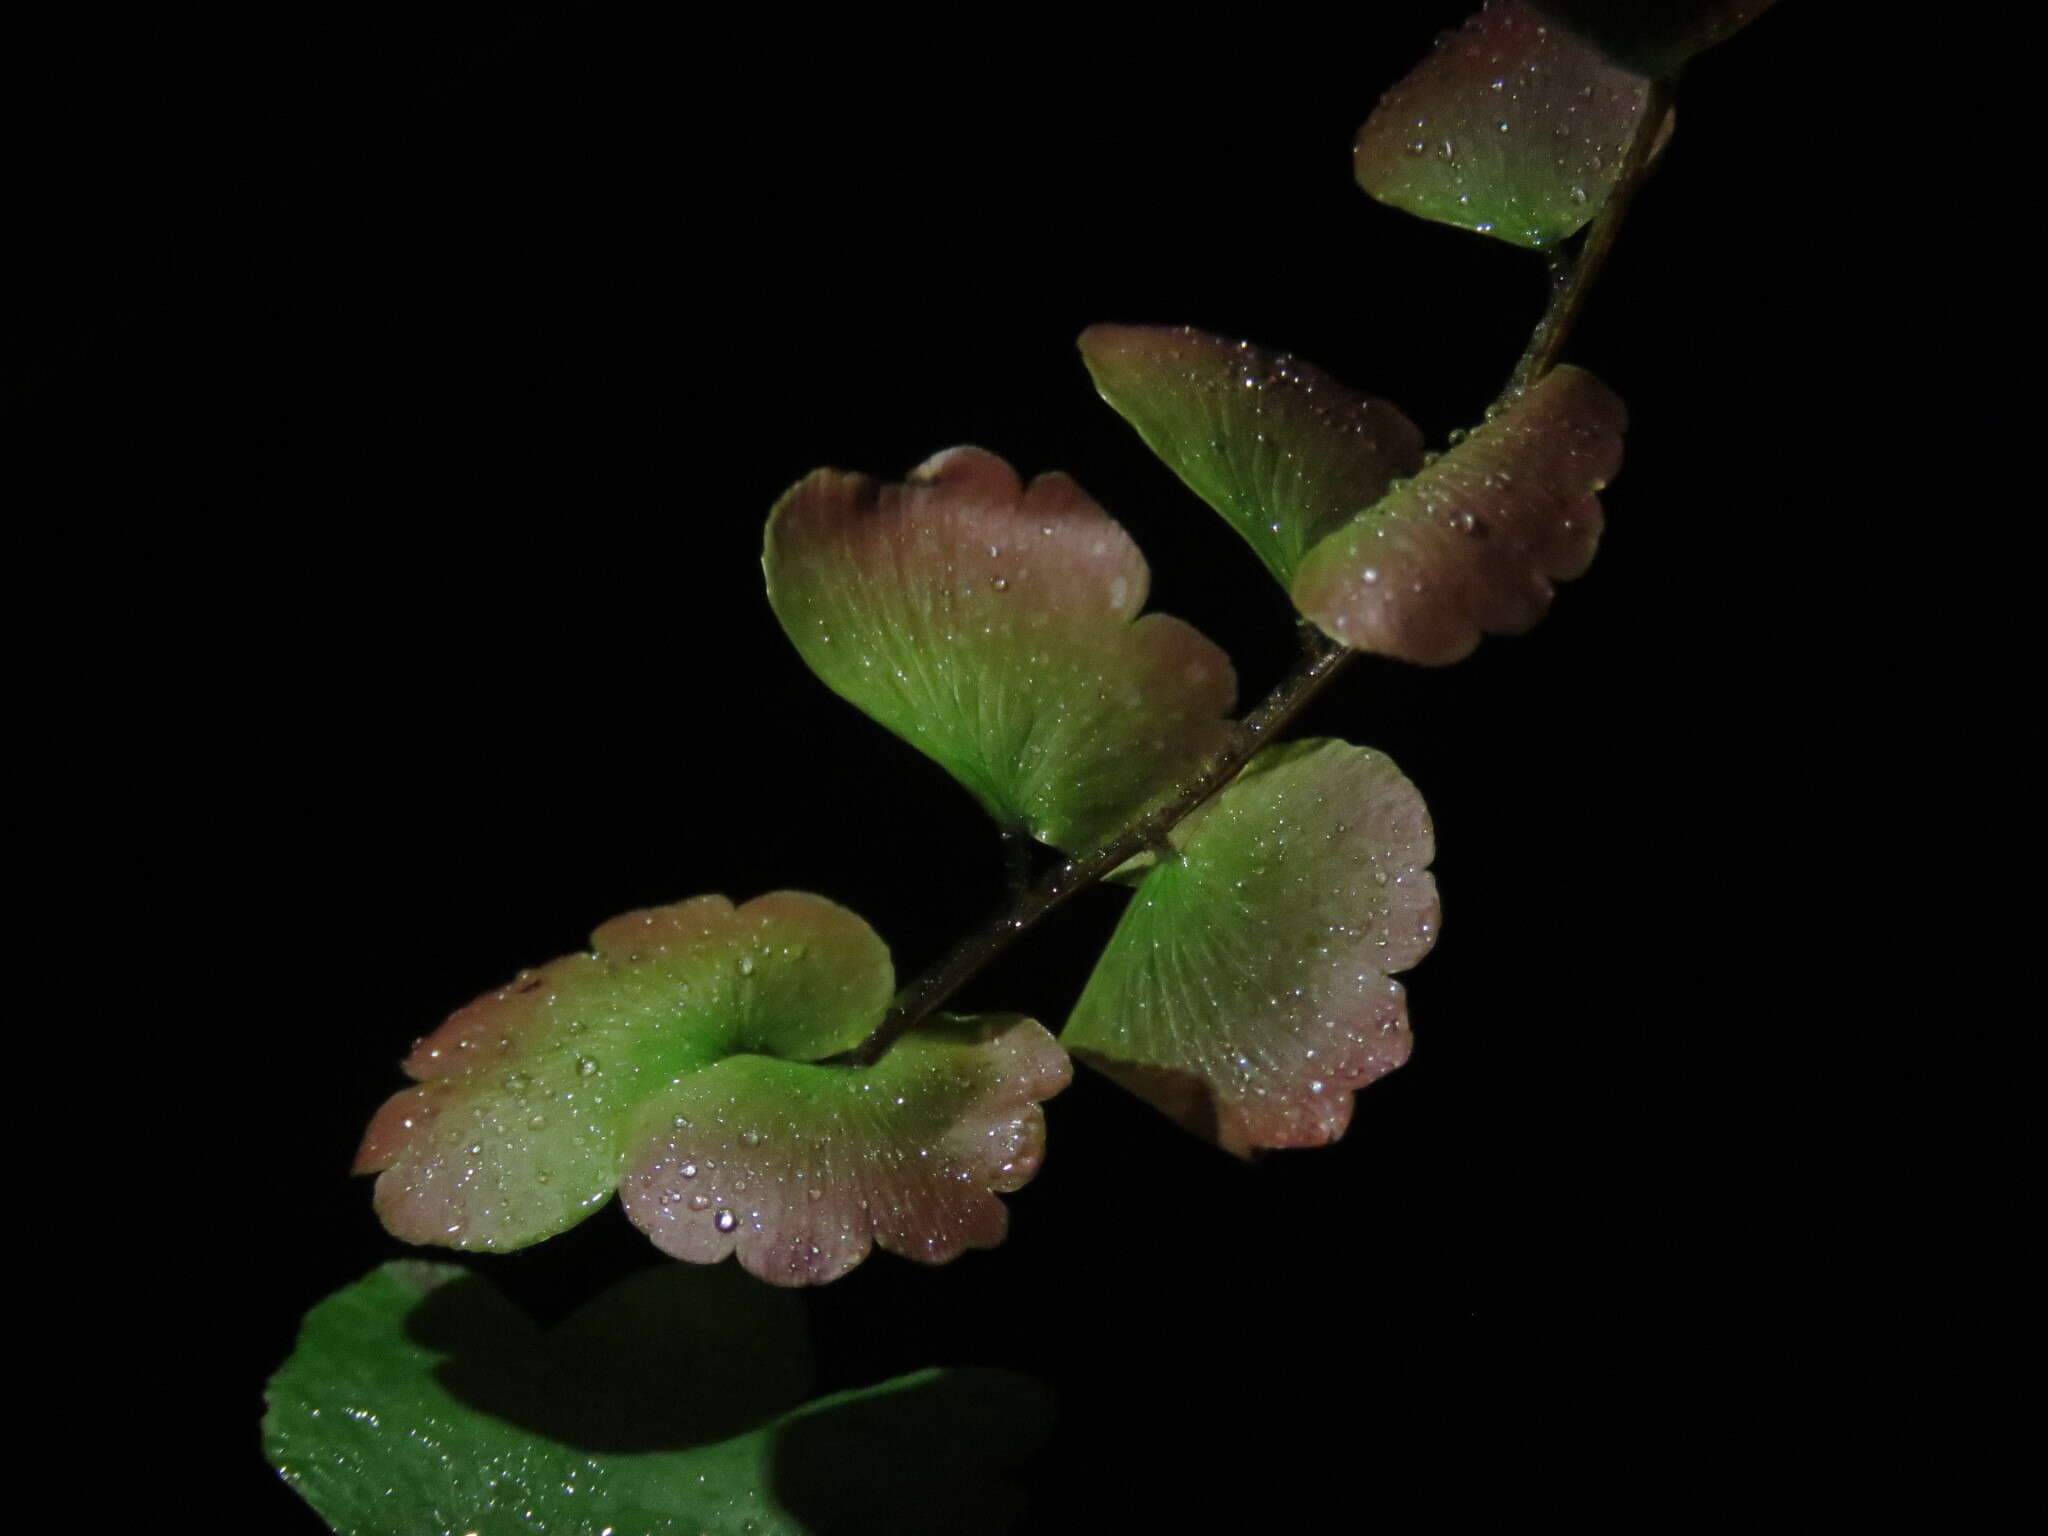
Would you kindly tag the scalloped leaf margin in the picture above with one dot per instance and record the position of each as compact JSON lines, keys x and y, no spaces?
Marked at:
{"x":535,"y":1099}
{"x":1247,"y":991}
{"x":1472,"y":544}
{"x":995,"y":627}
{"x":800,"y":1170}
{"x":1385,"y":550}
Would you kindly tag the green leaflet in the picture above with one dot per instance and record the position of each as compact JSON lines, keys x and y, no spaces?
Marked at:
{"x":536,"y":1099}
{"x":1284,"y":452}
{"x":420,"y":1402}
{"x":1246,"y":990}
{"x":994,"y":626}
{"x":1513,"y":128}
{"x":1417,"y":567}
{"x":799,"y":1169}
{"x":1471,"y":545}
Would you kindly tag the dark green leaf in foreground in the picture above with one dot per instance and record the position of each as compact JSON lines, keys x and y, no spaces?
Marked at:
{"x":1282,"y":450}
{"x":419,"y":1402}
{"x":995,"y":627}
{"x":1654,"y":38}
{"x":1514,"y":127}
{"x":1246,"y":992}
{"x":1471,"y":545}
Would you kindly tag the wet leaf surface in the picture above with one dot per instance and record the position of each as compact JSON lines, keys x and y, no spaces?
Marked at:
{"x":801,"y":1169}
{"x":1247,"y":990}
{"x":1514,"y":127}
{"x":995,"y":627}
{"x":1282,"y":450}
{"x":1471,"y":545}
{"x":420,"y":1402}
{"x":514,"y":1132}
{"x":681,"y":1054}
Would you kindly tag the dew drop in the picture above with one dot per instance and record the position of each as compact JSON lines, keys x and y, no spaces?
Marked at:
{"x":725,"y":1221}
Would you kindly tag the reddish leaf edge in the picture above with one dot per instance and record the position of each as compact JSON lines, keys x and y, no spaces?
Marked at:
{"x":1473,"y":544}
{"x":1272,"y":1055}
{"x":795,"y":1207}
{"x":1187,"y":685}
{"x":929,"y":1135}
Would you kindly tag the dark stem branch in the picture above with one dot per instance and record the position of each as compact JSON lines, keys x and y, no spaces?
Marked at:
{"x":1571,"y":276}
{"x":965,"y":960}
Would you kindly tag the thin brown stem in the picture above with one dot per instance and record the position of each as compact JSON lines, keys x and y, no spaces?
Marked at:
{"x":1571,"y":276}
{"x":965,"y":960}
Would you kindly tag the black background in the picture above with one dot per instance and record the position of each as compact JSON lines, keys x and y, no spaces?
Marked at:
{"x":434,"y":381}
